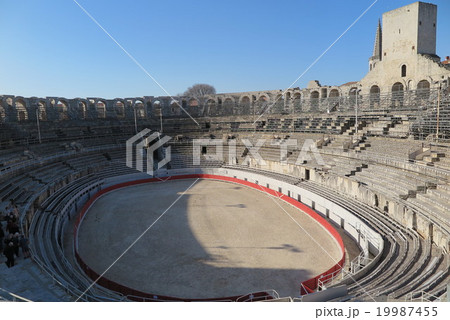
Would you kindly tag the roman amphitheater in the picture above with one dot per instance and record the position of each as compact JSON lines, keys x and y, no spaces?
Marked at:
{"x":357,"y":209}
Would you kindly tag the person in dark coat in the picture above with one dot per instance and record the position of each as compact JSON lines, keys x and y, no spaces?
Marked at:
{"x":12,"y":227}
{"x":9,"y":254}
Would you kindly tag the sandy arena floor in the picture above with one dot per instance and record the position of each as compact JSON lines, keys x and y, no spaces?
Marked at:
{"x":220,"y":239}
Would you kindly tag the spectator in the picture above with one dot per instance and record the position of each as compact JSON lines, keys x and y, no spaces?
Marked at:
{"x":9,"y":254}
{"x":8,"y":239}
{"x":12,"y":227}
{"x":15,"y":212}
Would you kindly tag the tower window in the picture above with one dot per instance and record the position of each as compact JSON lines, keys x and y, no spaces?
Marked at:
{"x":399,"y":31}
{"x":420,"y":23}
{"x":434,"y":25}
{"x":403,"y":70}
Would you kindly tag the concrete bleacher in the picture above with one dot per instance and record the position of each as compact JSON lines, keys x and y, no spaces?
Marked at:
{"x":389,"y":147}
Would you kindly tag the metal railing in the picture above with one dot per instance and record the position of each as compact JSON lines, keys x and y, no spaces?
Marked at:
{"x":10,"y":296}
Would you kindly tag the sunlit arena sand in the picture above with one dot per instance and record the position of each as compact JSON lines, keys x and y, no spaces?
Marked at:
{"x":219,"y":239}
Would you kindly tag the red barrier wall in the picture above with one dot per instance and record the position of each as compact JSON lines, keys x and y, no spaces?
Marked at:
{"x":306,"y":287}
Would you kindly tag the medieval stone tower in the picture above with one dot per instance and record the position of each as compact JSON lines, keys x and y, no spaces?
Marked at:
{"x":404,"y":55}
{"x":409,"y":30}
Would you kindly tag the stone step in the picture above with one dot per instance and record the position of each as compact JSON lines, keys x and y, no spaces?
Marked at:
{"x":430,"y":159}
{"x":443,"y":205}
{"x":439,"y":193}
{"x":436,"y":154}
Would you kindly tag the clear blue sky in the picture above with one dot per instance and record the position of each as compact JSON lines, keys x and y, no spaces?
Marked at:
{"x":51,"y":48}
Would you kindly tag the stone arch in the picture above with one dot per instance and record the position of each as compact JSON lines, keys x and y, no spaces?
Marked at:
{"x":261,"y":103}
{"x":139,"y":106}
{"x":119,"y":108}
{"x":397,"y":94}
{"x":2,"y":114}
{"x":333,"y":99}
{"x":297,"y":101}
{"x":314,"y":95}
{"x":314,"y":99}
{"x":175,"y":107}
{"x":9,"y":108}
{"x":82,"y":108}
{"x":21,"y":109}
{"x":193,"y":102}
{"x":245,"y":105}
{"x":244,"y":98}
{"x":157,"y":108}
{"x":42,"y":110}
{"x":334,"y":93}
{"x":288,"y":95}
{"x":211,"y":106}
{"x":374,"y":96}
{"x":423,"y":89}
{"x":228,"y":105}
{"x":62,"y":109}
{"x":100,"y":106}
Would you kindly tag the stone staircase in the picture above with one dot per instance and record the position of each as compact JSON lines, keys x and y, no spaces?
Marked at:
{"x":362,"y":145}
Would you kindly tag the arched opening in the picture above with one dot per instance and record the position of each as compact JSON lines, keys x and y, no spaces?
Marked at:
{"x":82,"y":109}
{"x":374,"y":96}
{"x":333,"y":99}
{"x":228,"y":106}
{"x":22,"y":113}
{"x":423,"y":90}
{"x":245,"y":105}
{"x":297,"y":101}
{"x":42,"y":110}
{"x":397,"y":94}
{"x":9,"y":101}
{"x":119,"y":109}
{"x":314,"y":99}
{"x":175,"y":108}
{"x":100,"y":106}
{"x":140,"y":109}
{"x":62,"y":109}
{"x":404,"y":70}
{"x":193,"y":102}
{"x":2,"y":114}
{"x":352,"y":98}
{"x":211,"y":104}
{"x":334,"y":93}
{"x":261,"y":104}
{"x":157,"y":110}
